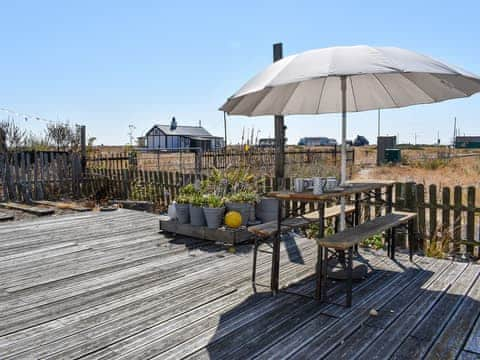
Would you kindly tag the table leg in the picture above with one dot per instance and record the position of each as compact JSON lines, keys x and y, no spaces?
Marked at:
{"x":274,"y":281}
{"x":389,"y":199}
{"x":320,"y":256}
{"x":349,"y":276}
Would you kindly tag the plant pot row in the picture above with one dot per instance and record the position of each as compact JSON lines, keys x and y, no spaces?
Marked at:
{"x":200,"y":216}
{"x":265,"y":210}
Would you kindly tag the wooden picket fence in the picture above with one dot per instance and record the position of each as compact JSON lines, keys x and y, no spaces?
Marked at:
{"x":40,"y":175}
{"x":261,"y":159}
{"x":444,"y":214}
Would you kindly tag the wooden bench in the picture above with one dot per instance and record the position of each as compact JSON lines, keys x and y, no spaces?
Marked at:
{"x":348,"y":239}
{"x":270,"y":228}
{"x":264,"y":232}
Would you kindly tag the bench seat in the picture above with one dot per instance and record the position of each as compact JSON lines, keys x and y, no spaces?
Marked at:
{"x":270,"y":228}
{"x":353,"y":236}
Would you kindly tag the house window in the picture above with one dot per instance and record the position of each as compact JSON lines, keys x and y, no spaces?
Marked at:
{"x":161,"y":141}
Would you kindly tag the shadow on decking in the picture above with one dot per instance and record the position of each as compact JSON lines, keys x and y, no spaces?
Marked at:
{"x":291,"y":247}
{"x":288,"y":325}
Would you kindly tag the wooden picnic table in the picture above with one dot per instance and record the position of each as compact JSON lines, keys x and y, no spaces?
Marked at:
{"x":350,"y":189}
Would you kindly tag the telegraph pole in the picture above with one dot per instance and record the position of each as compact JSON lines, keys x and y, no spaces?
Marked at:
{"x":279,"y":133}
{"x":378,"y":123}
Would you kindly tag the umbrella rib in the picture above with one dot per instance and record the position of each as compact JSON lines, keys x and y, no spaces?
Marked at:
{"x":443,"y":80}
{"x":255,"y":105}
{"x":418,"y":87}
{"x":386,"y":90}
{"x":321,"y":93}
{"x":353,"y":94}
{"x":291,"y":95}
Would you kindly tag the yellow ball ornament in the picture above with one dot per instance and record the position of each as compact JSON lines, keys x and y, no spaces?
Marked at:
{"x":233,"y":219}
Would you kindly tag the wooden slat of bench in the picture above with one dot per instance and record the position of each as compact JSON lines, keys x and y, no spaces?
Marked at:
{"x":270,"y":228}
{"x":330,"y":212}
{"x":353,"y":236}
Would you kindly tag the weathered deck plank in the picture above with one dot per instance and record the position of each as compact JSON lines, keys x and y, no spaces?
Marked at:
{"x":109,"y":286}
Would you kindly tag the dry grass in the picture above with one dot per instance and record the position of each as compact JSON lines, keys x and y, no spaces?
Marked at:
{"x":424,"y":166}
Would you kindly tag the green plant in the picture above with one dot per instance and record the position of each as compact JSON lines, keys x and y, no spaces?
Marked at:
{"x":243,"y":197}
{"x":312,"y":231}
{"x":374,"y":242}
{"x":188,"y":190}
{"x":198,"y":200}
{"x":183,"y":199}
{"x":214,"y":201}
{"x":438,"y":246}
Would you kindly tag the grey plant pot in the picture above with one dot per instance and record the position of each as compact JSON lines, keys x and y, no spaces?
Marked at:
{"x":214,"y":217}
{"x":196,"y":216}
{"x":183,"y":213}
{"x":266,"y":209}
{"x":243,"y":208}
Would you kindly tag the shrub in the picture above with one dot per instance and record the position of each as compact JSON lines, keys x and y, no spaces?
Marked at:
{"x":214,"y":201}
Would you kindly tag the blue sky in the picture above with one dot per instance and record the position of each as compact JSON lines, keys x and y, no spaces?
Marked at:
{"x":108,"y":64}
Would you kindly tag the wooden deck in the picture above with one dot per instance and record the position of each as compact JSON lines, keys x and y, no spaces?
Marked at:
{"x":108,"y":285}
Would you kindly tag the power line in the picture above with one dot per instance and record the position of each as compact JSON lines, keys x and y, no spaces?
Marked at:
{"x":26,"y":116}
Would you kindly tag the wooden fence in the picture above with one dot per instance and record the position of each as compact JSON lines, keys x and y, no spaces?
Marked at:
{"x":444,"y":214}
{"x":258,"y":159}
{"x":33,"y":175}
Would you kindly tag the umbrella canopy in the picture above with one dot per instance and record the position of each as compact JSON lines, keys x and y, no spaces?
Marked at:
{"x":376,"y":78}
{"x":349,"y":79}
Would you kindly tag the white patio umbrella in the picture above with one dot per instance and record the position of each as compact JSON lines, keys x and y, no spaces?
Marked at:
{"x":349,"y":79}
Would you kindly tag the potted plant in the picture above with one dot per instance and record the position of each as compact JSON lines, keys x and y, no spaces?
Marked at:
{"x":197,"y":202}
{"x":213,"y":211}
{"x":243,"y":202}
{"x":266,"y":209}
{"x":182,"y":209}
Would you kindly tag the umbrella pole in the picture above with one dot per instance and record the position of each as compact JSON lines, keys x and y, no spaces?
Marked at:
{"x":343,"y":168}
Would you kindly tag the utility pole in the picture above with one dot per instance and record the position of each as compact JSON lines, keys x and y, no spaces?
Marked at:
{"x":454,"y":130}
{"x":130,"y":133}
{"x":225,"y":129}
{"x":378,"y":123}
{"x":279,"y":133}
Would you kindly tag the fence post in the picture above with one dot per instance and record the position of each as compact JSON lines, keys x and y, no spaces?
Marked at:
{"x":198,"y":163}
{"x":421,"y":214}
{"x":4,"y":164}
{"x":457,"y":216}
{"x":445,"y":210}
{"x":470,"y":218}
{"x":433,"y":210}
{"x":83,"y":148}
{"x":3,"y":141}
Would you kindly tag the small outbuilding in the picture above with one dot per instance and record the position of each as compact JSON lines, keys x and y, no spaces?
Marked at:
{"x":175,"y":137}
{"x":467,"y":142}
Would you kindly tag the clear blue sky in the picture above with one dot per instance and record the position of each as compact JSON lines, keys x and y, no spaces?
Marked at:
{"x":108,"y":64}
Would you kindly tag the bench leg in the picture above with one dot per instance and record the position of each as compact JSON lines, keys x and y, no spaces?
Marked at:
{"x":324,"y":287}
{"x":254,"y":270}
{"x":318,"y":274}
{"x":388,"y":240}
{"x":392,"y":243}
{"x":411,"y":235}
{"x":349,"y":277}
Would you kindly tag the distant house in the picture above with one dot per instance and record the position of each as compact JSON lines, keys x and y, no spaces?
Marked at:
{"x":174,"y":137}
{"x":317,"y":141}
{"x":467,"y":142}
{"x":360,"y":141}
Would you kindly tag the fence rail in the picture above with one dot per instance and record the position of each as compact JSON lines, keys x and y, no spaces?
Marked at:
{"x":261,"y":159}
